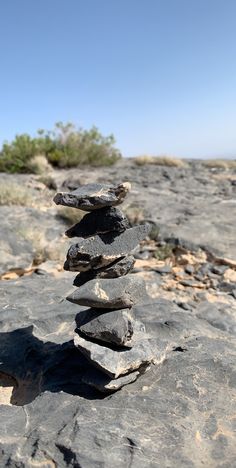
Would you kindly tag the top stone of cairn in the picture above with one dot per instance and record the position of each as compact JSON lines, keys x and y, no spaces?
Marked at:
{"x":93,"y":196}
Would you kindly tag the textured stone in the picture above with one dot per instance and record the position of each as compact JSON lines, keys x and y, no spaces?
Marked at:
{"x":116,"y":326}
{"x":99,"y":251}
{"x":114,"y":362}
{"x":117,"y":293}
{"x":99,"y":222}
{"x":93,"y":196}
{"x":186,"y":403}
{"x":105,"y":384}
{"x":119,"y":268}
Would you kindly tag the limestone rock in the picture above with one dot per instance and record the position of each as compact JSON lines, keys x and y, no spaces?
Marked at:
{"x":99,"y":251}
{"x":99,"y":222}
{"x":120,"y":267}
{"x":93,"y":196}
{"x":116,"y":326}
{"x":114,"y":362}
{"x":117,"y":293}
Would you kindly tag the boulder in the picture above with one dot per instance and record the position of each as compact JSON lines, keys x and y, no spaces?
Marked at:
{"x":119,"y":268}
{"x":115,"y":363}
{"x":117,"y":293}
{"x":93,"y":196}
{"x":114,"y":327}
{"x":101,"y":250}
{"x":99,"y":222}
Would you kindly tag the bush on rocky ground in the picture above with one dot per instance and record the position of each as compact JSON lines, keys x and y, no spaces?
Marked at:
{"x":65,"y":146}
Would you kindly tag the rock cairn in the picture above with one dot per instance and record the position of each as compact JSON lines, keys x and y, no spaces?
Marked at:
{"x":107,"y":333}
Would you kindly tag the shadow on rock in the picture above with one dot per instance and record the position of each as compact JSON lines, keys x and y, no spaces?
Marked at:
{"x":33,"y":366}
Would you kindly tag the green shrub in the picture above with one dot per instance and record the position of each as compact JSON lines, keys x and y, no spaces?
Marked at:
{"x":65,"y":146}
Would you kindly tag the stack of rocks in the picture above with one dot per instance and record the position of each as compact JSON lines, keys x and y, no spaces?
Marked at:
{"x":107,"y":333}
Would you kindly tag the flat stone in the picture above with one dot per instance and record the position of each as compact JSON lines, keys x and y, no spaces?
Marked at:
{"x":101,"y":250}
{"x":119,"y":268}
{"x":93,"y":196}
{"x":99,"y":222}
{"x":105,"y":384}
{"x":114,"y":362}
{"x":116,"y":326}
{"x":117,"y":293}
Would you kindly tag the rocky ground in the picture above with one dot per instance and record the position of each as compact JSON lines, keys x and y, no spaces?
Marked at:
{"x":181,"y":411}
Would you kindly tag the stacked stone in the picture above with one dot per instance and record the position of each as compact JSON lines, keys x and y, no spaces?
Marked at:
{"x":107,"y":333}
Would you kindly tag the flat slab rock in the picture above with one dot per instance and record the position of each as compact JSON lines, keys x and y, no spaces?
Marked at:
{"x":117,"y":293}
{"x":116,"y":327}
{"x":93,"y":196}
{"x":115,"y":362}
{"x":120,"y":267}
{"x":103,"y":383}
{"x":99,"y":251}
{"x":99,"y":222}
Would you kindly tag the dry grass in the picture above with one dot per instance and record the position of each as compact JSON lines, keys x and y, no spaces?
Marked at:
{"x":44,"y":250}
{"x":15,"y":194}
{"x":159,"y":161}
{"x":220,"y":164}
{"x":70,"y":215}
{"x":134,"y":214}
{"x":39,"y":165}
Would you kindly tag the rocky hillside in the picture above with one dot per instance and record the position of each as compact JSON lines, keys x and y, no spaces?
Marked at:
{"x":181,"y":412}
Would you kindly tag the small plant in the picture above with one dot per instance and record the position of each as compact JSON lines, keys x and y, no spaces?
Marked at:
{"x":220,"y":164}
{"x":70,"y":215}
{"x":134,"y":214}
{"x":15,"y":194}
{"x":48,"y":181}
{"x":159,"y":161}
{"x":154,"y":232}
{"x":163,"y":252}
{"x":38,"y":164}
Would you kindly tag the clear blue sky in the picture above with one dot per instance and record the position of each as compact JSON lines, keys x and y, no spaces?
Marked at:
{"x":159,"y":74}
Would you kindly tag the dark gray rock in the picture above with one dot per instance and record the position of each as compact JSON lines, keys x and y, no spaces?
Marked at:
{"x":178,"y":414}
{"x":119,"y":268}
{"x":117,"y":293}
{"x":105,"y":384}
{"x":99,"y":222}
{"x":93,"y":196}
{"x":115,"y":362}
{"x":99,"y":251}
{"x":116,"y":326}
{"x":226,"y":286}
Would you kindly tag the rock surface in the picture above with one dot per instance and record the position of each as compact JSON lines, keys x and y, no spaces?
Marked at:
{"x":93,"y":196}
{"x":115,"y":326}
{"x":114,"y":270}
{"x":186,"y":403}
{"x":117,"y":293}
{"x":99,"y":222}
{"x":99,"y":251}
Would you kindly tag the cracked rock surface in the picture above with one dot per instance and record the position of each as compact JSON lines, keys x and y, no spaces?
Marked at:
{"x":53,"y":418}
